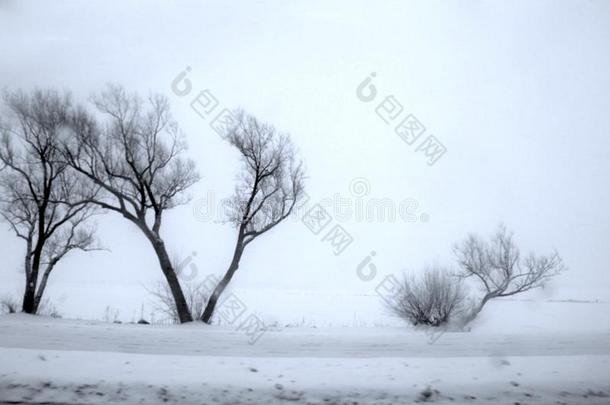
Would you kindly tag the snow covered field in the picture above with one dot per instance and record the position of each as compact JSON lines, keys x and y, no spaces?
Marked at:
{"x":361,"y":144}
{"x":67,"y":361}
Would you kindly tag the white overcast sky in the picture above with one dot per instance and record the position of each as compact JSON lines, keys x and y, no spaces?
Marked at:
{"x":518,"y":92}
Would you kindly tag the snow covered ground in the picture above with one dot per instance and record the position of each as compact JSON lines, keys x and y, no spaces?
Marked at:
{"x":46,"y":360}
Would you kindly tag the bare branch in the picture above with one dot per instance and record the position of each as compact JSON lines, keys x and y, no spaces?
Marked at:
{"x":499,"y":267}
{"x":43,"y":200}
{"x":272,"y":180}
{"x":133,"y":156}
{"x":269,"y":187}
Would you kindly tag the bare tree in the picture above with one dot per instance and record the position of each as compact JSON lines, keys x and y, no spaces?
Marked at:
{"x":269,"y":187}
{"x":42,"y":199}
{"x":498,"y":267}
{"x":434,"y":299}
{"x":135,"y":158}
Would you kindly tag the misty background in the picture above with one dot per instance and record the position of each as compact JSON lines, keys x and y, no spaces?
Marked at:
{"x":518,"y":95}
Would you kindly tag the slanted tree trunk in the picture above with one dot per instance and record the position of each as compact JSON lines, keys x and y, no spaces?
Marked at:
{"x":477,"y":310}
{"x":182,"y":309}
{"x":213,"y":301}
{"x":43,"y":285}
{"x":267,"y":193}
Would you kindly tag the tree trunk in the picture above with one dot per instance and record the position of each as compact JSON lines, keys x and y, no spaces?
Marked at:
{"x":41,"y":287}
{"x":29,"y":296}
{"x":182,"y":309}
{"x":213,"y":301}
{"x":475,"y":312}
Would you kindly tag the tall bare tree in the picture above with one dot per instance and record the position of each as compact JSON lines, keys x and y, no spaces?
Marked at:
{"x":500,"y":269}
{"x":269,"y":187}
{"x":134,"y":156}
{"x":42,"y":199}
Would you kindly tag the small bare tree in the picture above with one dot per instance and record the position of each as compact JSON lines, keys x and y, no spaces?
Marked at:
{"x":498,"y":267}
{"x":135,"y":159}
{"x":42,"y":199}
{"x":434,"y":299}
{"x":269,"y":187}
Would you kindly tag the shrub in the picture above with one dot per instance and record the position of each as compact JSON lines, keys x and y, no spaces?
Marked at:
{"x":433,"y":299}
{"x":195,"y":294}
{"x":9,"y":305}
